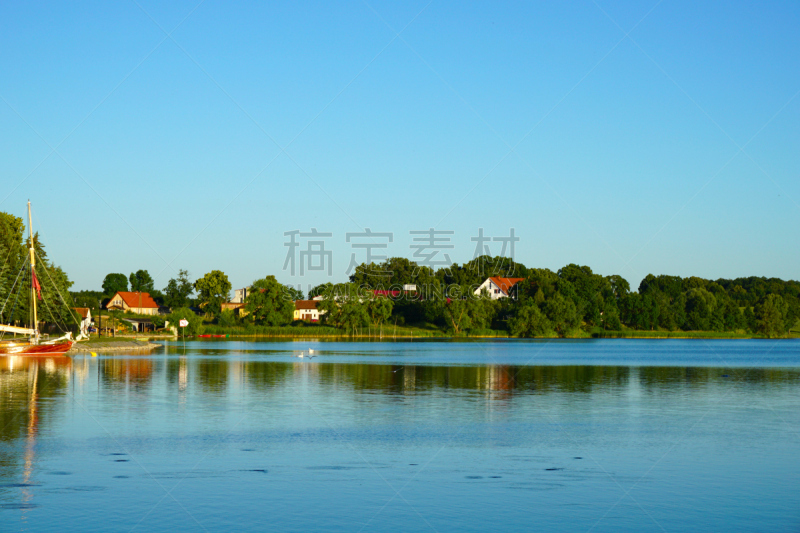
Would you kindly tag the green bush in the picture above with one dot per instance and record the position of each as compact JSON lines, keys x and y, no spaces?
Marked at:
{"x":195,"y":326}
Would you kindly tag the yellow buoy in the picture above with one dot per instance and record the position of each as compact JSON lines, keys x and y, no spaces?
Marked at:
{"x":94,"y":354}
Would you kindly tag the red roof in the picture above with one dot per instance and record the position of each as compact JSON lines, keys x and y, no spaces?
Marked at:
{"x":82,"y":311}
{"x":505,"y":283}
{"x":393,"y":294}
{"x":132,"y":299}
{"x":305,"y":304}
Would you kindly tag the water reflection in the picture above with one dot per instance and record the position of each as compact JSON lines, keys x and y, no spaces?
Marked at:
{"x":31,"y":390}
{"x":28,"y":388}
{"x":215,"y":418}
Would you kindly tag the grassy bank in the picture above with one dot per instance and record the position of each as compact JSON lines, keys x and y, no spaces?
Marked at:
{"x":113,"y":344}
{"x":636,"y":334}
{"x":320,"y":331}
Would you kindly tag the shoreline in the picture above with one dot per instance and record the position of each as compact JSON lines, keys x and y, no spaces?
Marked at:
{"x":124,"y":345}
{"x":665,"y":336}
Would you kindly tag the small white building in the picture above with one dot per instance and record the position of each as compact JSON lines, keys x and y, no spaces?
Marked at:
{"x":239,"y":295}
{"x":498,"y":287}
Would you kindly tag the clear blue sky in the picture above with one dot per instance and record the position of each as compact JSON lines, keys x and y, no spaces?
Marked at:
{"x":633,"y":137}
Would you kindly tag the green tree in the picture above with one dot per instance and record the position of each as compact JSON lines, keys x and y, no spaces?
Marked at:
{"x":353,"y":314}
{"x":12,"y":253}
{"x":178,"y":290}
{"x":226,"y":318}
{"x":610,"y":318}
{"x":700,"y":306}
{"x":529,"y":321}
{"x":562,"y":313}
{"x":587,"y":291}
{"x":750,"y":319}
{"x":379,"y":309}
{"x":293,"y":292}
{"x":141,"y":281}
{"x":195,"y":326}
{"x":619,"y":286}
{"x":476,"y":271}
{"x":732,"y":316}
{"x":344,"y":305}
{"x":770,"y":314}
{"x":320,"y":290}
{"x":56,"y":304}
{"x":465,"y":310}
{"x":87,"y":298}
{"x":114,"y":283}
{"x":268,"y":303}
{"x":212,"y":290}
{"x":393,"y":274}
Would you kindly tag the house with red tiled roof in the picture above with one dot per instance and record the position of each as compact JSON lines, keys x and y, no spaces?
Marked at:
{"x":133,"y":302}
{"x":498,"y":287}
{"x":307,"y":310}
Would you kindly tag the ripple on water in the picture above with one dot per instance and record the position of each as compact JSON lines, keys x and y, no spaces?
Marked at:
{"x":191,"y":474}
{"x":331,"y":467}
{"x":77,"y":488}
{"x":18,"y":505}
{"x":536,"y":486}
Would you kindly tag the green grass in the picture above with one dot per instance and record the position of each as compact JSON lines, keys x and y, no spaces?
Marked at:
{"x":271,"y":331}
{"x":315,"y":330}
{"x":636,"y":334}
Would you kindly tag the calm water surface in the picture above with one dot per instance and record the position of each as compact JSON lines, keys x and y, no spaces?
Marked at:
{"x":424,"y":436}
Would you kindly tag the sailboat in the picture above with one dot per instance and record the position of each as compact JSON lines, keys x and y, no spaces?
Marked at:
{"x":33,"y":345}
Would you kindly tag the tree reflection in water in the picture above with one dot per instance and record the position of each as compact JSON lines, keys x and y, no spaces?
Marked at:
{"x":30,"y":388}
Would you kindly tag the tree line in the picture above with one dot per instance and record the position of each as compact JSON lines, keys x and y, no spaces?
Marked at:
{"x":561,"y":303}
{"x":568,"y":302}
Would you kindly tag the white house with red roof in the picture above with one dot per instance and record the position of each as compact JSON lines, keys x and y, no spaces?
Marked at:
{"x":133,"y":302}
{"x":498,"y":287}
{"x":307,"y":310}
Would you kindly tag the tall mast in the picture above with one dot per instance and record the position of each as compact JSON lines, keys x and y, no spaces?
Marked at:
{"x":33,"y":273}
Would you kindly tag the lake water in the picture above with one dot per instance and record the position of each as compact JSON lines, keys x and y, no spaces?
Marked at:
{"x":602,"y":435}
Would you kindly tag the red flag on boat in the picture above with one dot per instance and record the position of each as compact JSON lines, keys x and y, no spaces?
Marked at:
{"x":37,"y":286}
